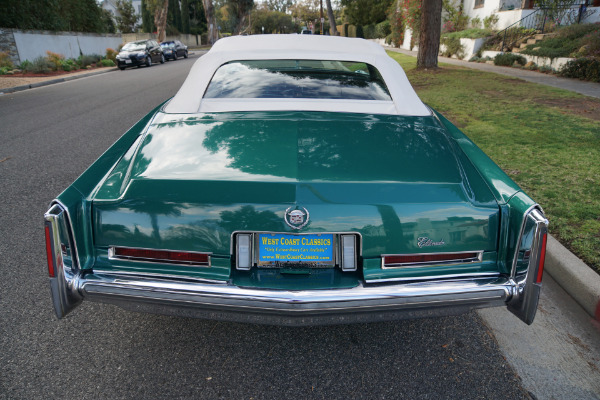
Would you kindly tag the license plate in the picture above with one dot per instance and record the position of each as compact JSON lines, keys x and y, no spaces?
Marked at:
{"x":279,"y":249}
{"x":127,"y":61}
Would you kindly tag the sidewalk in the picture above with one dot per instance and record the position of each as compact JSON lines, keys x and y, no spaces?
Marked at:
{"x":10,"y":84}
{"x":591,"y":89}
{"x":573,"y":275}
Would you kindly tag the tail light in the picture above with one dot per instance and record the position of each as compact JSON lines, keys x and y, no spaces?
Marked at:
{"x":540,"y":273}
{"x":160,"y":256}
{"x":531,"y":247}
{"x":409,"y":260}
{"x":49,"y":255}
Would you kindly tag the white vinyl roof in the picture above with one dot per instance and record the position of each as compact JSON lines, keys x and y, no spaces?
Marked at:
{"x":189,"y":99}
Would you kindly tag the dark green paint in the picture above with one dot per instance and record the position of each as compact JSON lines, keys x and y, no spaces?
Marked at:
{"x":186,"y":182}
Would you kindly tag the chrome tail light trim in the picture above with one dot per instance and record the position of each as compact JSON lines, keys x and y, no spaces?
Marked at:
{"x":470,"y":257}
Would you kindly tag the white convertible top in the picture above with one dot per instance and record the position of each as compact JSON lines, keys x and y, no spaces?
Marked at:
{"x":297,"y":47}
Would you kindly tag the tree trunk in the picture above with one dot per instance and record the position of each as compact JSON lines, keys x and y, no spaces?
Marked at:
{"x":429,"y":39}
{"x":332,"y":28}
{"x":160,"y":20}
{"x":211,"y":22}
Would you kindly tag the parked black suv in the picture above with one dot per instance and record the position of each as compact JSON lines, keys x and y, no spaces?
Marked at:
{"x":140,"y":52}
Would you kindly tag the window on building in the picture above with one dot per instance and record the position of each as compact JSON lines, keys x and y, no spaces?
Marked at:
{"x":478,"y":3}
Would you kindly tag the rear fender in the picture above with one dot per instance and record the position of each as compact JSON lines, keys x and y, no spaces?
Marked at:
{"x":63,"y":266}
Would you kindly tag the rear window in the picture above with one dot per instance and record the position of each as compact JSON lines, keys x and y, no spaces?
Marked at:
{"x":303,"y":79}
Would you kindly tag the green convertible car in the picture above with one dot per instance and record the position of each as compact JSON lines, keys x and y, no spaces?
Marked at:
{"x":297,"y":180}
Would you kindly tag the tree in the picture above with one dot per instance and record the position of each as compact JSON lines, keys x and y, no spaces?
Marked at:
{"x":107,"y":21}
{"x":211,"y":21}
{"x":185,"y":16}
{"x":126,"y":16}
{"x":81,"y":15}
{"x":332,"y":28}
{"x":159,"y":8}
{"x":272,"y":21}
{"x":306,"y":11}
{"x":366,"y":12}
{"x":197,"y":17}
{"x":240,"y":10}
{"x":429,"y":39}
{"x":174,"y":18}
{"x":279,"y":5}
{"x":147,"y":18}
{"x":53,"y":15}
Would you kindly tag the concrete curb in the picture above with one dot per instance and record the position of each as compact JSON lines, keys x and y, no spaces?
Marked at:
{"x":574,"y":276}
{"x":53,"y":81}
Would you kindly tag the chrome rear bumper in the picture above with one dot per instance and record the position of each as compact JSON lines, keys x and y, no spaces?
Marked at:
{"x":223,"y":301}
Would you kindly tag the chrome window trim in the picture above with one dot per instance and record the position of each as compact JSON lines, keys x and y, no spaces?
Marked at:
{"x":112,"y":257}
{"x":335,"y":253}
{"x":436,"y":278}
{"x":478,"y":259}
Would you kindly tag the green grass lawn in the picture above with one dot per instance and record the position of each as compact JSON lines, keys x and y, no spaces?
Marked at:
{"x":546,"y":139}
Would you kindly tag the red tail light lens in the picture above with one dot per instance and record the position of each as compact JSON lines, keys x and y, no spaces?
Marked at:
{"x":540,"y":273}
{"x":390,"y":261}
{"x":49,"y":255}
{"x":164,"y":256}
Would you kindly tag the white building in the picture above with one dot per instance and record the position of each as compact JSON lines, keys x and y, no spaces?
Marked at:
{"x":512,"y":11}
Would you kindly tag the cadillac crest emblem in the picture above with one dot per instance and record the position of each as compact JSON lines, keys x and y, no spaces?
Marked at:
{"x":296,"y":217}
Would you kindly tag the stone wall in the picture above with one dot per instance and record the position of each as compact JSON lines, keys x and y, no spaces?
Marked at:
{"x":8,"y":45}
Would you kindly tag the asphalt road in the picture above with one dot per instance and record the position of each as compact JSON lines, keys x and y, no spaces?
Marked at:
{"x":48,"y":136}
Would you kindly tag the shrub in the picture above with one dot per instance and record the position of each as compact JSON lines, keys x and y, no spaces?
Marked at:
{"x":4,"y":70}
{"x":40,"y":65}
{"x":111,"y":54}
{"x":107,"y":63}
{"x":508,"y":59}
{"x":383,"y":29}
{"x":351,"y":31}
{"x":54,"y":60}
{"x":476,"y":23}
{"x":582,"y":68}
{"x":25,"y":66}
{"x":69,"y":65}
{"x":369,"y":31}
{"x":546,"y":69}
{"x":570,"y":41}
{"x":5,"y":61}
{"x":490,"y":22}
{"x":359,"y":31}
{"x":453,"y":47}
{"x":88,"y":59}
